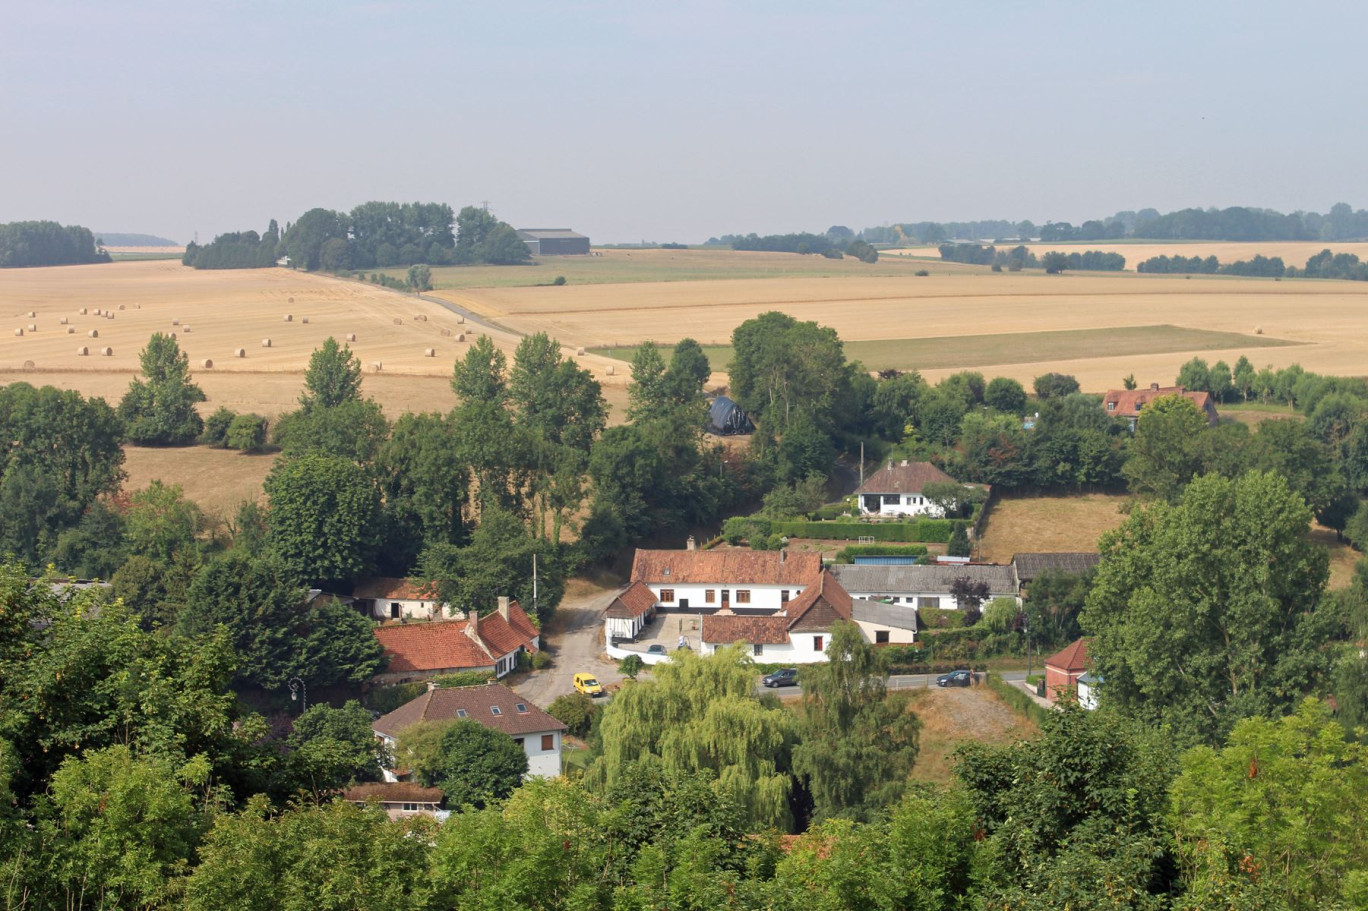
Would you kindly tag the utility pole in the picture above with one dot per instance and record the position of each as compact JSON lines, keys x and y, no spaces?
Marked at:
{"x":862,"y":463}
{"x":534,"y":583}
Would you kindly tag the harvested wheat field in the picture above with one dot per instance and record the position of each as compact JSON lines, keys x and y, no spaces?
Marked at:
{"x":1292,"y":252}
{"x":1326,"y":322}
{"x":216,"y":479}
{"x":952,"y":717}
{"x":1049,"y":524}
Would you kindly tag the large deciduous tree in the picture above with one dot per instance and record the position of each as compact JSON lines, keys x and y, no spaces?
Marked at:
{"x":1166,"y":451}
{"x":781,"y":366}
{"x":324,"y":517}
{"x":159,"y":408}
{"x":333,"y":377}
{"x":1207,"y":611}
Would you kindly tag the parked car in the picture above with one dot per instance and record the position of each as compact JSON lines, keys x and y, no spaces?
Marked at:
{"x":655,"y":649}
{"x":785,"y":676}
{"x":955,"y":678}
{"x":588,"y":685}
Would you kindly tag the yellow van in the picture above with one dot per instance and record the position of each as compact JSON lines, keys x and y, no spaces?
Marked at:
{"x":588,"y":685}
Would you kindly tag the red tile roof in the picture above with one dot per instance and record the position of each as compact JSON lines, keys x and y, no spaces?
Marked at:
{"x":393,"y":792}
{"x":451,"y":644}
{"x":725,"y":567}
{"x":634,"y":601}
{"x":478,"y":703}
{"x":1072,"y":657}
{"x":819,"y":606}
{"x":1128,"y":403}
{"x":721,"y":629}
{"x":904,"y":478}
{"x":383,"y":588}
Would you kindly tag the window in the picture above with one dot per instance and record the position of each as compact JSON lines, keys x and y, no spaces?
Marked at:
{"x":892,"y":499}
{"x":880,"y":636}
{"x":394,"y":610}
{"x":928,"y":602}
{"x":784,"y":596}
{"x":495,"y":710}
{"x":709,"y":595}
{"x":411,"y":807}
{"x":743,"y":596}
{"x":1111,"y":406}
{"x":518,"y":741}
{"x":522,"y":709}
{"x":816,"y":643}
{"x":548,"y":742}
{"x":460,"y":713}
{"x":667,"y":595}
{"x":758,"y":649}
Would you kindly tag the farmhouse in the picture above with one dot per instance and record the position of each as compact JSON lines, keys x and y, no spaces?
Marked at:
{"x":1030,"y":565}
{"x":490,"y":644}
{"x":630,"y":612}
{"x":492,"y":705}
{"x":399,"y":799}
{"x":396,"y":599}
{"x":924,"y":587}
{"x":707,"y":581}
{"x":553,"y":241}
{"x":1064,"y":668}
{"x":1127,"y":403}
{"x":896,"y":490}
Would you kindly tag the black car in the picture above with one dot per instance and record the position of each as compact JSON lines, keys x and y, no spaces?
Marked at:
{"x":955,"y":678}
{"x":655,"y":648}
{"x":785,"y":676}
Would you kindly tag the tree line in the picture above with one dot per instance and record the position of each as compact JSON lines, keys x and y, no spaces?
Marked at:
{"x":1345,"y":266}
{"x":236,"y":250}
{"x":46,"y":243}
{"x":831,"y":245}
{"x":1020,"y":257}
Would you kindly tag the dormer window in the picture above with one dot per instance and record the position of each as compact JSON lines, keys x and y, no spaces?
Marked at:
{"x":1111,"y":406}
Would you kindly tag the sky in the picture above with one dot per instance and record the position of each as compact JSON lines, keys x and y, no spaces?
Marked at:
{"x":632,"y":121}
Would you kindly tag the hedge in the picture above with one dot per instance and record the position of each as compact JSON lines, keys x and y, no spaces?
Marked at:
{"x":932,"y":531}
{"x":1018,"y":699}
{"x":850,"y":552}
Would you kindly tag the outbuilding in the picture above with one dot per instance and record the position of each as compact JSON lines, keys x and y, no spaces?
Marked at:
{"x":554,"y":242}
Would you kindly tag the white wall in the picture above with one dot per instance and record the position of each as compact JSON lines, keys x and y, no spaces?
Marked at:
{"x":542,"y":763}
{"x":408,"y":610}
{"x":945,"y":601}
{"x":906,"y":505}
{"x":800,"y":649}
{"x":624,"y":627}
{"x":896,"y":635}
{"x":762,"y":597}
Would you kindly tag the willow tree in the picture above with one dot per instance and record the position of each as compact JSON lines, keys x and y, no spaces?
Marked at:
{"x":702,"y":713}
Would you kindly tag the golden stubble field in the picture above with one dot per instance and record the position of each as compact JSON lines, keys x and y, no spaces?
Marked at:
{"x":1329,"y":320}
{"x":1292,"y":252}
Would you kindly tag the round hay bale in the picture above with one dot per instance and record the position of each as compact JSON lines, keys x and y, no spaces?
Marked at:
{"x":290,"y":301}
{"x":304,"y":320}
{"x":29,"y":365}
{"x":351,"y":336}
{"x":429,"y":352}
{"x":289,"y":318}
{"x":610,"y":370}
{"x":32,"y":314}
{"x":173,"y":336}
{"x":185,"y":329}
{"x":18,"y":331}
{"x":71,"y":330}
{"x":109,"y":315}
{"x":579,"y":352}
{"x":398,"y":321}
{"x":94,"y":333}
{"x":1258,"y":330}
{"x":137,"y":306}
{"x":377,"y":366}
{"x":83,"y":311}
{"x":121,"y":307}
{"x":446,"y":332}
{"x":461,"y":337}
{"x":265,"y":343}
{"x":33,"y":327}
{"x":175,"y":322}
{"x":82,"y":351}
{"x":460,"y":319}
{"x":98,"y":312}
{"x":239,"y":352}
{"x":107,"y":352}
{"x":64,"y":321}
{"x":206,"y":363}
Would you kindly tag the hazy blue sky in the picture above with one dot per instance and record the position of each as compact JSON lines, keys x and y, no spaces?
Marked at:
{"x":632,"y":120}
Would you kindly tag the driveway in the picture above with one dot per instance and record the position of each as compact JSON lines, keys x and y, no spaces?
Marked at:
{"x":574,"y":640}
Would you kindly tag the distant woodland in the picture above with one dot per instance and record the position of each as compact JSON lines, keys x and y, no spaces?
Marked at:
{"x":372,"y":235}
{"x":46,"y":243}
{"x":124,"y":239}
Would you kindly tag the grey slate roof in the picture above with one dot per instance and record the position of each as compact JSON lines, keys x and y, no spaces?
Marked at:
{"x":892,"y":615}
{"x":1028,"y":566}
{"x":548,"y":234}
{"x":913,"y":579}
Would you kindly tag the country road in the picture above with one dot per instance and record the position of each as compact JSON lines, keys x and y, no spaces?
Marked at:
{"x":574,"y":640}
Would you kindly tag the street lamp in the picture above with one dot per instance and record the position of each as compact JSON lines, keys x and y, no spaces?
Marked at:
{"x":297,"y":690}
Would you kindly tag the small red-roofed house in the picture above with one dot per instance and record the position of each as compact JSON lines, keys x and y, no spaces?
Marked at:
{"x":384,"y":598}
{"x":399,"y":799}
{"x":797,"y":634}
{"x":1064,"y":667}
{"x":492,"y":643}
{"x":630,"y":611}
{"x":1128,"y":403}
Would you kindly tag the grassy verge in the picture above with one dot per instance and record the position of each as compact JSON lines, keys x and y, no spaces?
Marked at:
{"x":1017,"y":699}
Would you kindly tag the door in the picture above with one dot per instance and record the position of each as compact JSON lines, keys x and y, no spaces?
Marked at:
{"x":726,"y":598}
{"x":683,"y":603}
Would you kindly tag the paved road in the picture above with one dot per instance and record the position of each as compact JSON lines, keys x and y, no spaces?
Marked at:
{"x":895,"y":682}
{"x":575,"y":642}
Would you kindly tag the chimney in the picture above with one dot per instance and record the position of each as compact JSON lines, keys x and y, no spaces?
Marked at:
{"x":890,"y":464}
{"x":1154,"y":387}
{"x":473,"y":624}
{"x":904,"y":464}
{"x":691,"y":544}
{"x":503,"y":607}
{"x":783,"y":555}
{"x":431,"y":685}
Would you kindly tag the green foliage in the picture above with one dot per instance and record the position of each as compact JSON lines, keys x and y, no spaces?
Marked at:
{"x":324,"y":517}
{"x":1208,"y":611}
{"x":463,"y":678}
{"x":1053,"y":602}
{"x":1261,"y":822}
{"x":1165,"y":454}
{"x":782,"y":367}
{"x":702,"y":714}
{"x":931,"y":531}
{"x":576,"y":710}
{"x":216,"y":427}
{"x":333,"y":377}
{"x":235,"y":250}
{"x":631,"y":666}
{"x":958,"y":545}
{"x":47,"y":243}
{"x":420,"y":277}
{"x":1006,"y":395}
{"x":385,"y":699}
{"x":159,"y":408}
{"x":332,"y":748}
{"x":858,"y":742}
{"x":482,"y":238}
{"x":247,"y":433}
{"x":1054,"y":385}
{"x":848,"y":553}
{"x":496,"y":563}
{"x":1017,"y":699}
{"x":161,"y":524}
{"x":475,"y":765}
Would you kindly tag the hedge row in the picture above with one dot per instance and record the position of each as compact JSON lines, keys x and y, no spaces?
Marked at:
{"x":1018,"y":699}
{"x":931,"y":531}
{"x":849,"y":553}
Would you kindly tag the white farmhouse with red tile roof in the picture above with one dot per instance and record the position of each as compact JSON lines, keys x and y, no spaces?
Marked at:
{"x":705,"y":581}
{"x":416,"y":651}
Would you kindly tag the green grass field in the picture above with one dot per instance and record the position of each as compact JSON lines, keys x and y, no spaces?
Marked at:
{"x":617,"y":267}
{"x":1016,"y":347}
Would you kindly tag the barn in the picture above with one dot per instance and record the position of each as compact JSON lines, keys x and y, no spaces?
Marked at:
{"x":554,"y":241}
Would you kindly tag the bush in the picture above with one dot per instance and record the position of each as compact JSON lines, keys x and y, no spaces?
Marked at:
{"x":559,"y":280}
{"x":575,"y":710}
{"x":848,"y":553}
{"x":941,"y":618}
{"x":216,"y":427}
{"x":631,"y":666}
{"x":831,"y":511}
{"x":247,"y":433}
{"x":1017,"y":699}
{"x":921,"y":273}
{"x":385,"y":699}
{"x":740,"y":528}
{"x":541,"y":661}
{"x":463,"y":678}
{"x":933,"y":531}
